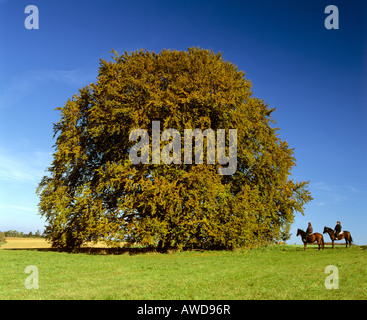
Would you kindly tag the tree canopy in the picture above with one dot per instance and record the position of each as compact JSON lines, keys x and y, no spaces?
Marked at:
{"x":94,"y":192}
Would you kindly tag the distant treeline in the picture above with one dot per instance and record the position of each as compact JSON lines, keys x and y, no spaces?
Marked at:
{"x":15,"y":233}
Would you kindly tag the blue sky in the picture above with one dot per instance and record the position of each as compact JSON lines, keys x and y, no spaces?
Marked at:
{"x":316,"y":78}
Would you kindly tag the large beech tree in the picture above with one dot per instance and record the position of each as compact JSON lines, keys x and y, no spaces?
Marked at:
{"x":94,"y":192}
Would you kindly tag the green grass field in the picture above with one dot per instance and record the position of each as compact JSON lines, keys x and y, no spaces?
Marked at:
{"x":276,"y":272}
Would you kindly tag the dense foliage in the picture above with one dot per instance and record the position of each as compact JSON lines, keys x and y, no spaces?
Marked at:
{"x":93,"y":191}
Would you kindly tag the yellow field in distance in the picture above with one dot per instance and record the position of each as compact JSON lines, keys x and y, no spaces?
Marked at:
{"x":35,"y":243}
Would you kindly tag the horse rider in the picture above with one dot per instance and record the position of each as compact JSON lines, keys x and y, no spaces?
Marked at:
{"x":337,"y":229}
{"x":308,"y":232}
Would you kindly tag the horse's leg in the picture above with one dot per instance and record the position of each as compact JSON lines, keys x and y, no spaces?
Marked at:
{"x":332,"y":242}
{"x":304,"y":247}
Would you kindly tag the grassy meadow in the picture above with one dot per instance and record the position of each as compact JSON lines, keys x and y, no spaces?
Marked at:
{"x":275,"y":272}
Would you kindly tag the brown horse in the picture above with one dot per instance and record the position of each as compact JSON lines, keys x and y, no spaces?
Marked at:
{"x":311,"y":238}
{"x":342,"y":235}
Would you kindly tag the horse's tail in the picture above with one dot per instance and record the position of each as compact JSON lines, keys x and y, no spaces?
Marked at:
{"x":351,"y":239}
